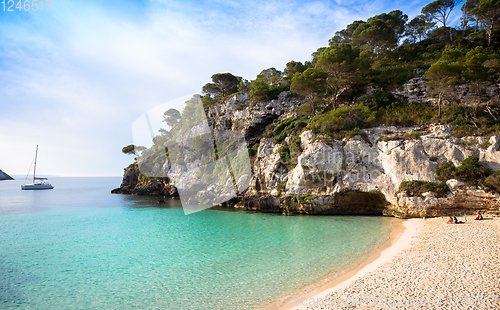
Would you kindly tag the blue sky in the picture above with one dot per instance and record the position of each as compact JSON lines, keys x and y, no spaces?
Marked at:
{"x":74,"y":79}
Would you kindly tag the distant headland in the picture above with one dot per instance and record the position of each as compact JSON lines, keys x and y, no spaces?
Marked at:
{"x":5,"y":176}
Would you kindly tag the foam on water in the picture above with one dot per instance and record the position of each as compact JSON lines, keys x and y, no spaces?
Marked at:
{"x":87,"y":249}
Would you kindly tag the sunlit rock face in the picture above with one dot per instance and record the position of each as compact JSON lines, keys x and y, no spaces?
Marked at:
{"x":326,"y":171}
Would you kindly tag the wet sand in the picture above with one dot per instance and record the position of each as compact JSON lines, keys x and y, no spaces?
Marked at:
{"x":348,"y":275}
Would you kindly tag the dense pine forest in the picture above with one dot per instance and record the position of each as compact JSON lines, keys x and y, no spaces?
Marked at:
{"x":381,"y":54}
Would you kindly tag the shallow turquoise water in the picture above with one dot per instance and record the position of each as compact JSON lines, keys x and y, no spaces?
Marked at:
{"x":78,"y":246}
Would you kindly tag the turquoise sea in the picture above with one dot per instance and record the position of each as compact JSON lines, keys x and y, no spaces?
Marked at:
{"x":80,"y":247}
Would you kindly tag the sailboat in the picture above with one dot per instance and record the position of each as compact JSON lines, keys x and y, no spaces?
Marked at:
{"x":38,"y":183}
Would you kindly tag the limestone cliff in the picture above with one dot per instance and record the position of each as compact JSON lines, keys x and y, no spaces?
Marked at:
{"x":357,"y":175}
{"x":366,"y":172}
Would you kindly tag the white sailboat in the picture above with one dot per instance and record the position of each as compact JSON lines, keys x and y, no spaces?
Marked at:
{"x":38,"y":183}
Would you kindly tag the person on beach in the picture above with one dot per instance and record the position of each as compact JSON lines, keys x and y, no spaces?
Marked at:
{"x":457,"y":221}
{"x":479,"y":216}
{"x":451,"y":221}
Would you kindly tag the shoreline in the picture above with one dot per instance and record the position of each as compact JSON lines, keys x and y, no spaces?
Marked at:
{"x":449,"y":266}
{"x":402,"y":231}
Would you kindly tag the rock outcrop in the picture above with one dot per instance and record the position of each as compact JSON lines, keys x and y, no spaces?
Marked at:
{"x":5,"y":176}
{"x":238,"y":113}
{"x":365,"y":173}
{"x":135,"y":184}
{"x":415,"y":91}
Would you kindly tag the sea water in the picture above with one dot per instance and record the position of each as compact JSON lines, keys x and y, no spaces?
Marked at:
{"x":80,"y":247}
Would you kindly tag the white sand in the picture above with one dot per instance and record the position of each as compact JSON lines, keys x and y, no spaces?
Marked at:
{"x":451,"y":266}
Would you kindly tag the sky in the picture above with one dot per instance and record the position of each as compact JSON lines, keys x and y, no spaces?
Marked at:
{"x":73,"y":79}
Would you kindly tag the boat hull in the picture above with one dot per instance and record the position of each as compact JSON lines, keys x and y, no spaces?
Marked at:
{"x":36,"y":186}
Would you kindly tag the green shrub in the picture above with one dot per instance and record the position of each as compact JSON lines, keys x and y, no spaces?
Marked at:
{"x":345,"y":118}
{"x":207,"y":101}
{"x":241,"y":106}
{"x":252,"y":152}
{"x":284,"y":152}
{"x":493,"y":181}
{"x":407,"y":136}
{"x":412,"y":136}
{"x":284,"y":128}
{"x":134,"y":164}
{"x":295,"y":146}
{"x":381,"y":99}
{"x":276,"y":90}
{"x":146,"y":180}
{"x":470,"y":171}
{"x":486,"y":144}
{"x":289,"y":152}
{"x":281,"y":187}
{"x":301,"y":198}
{"x":445,"y":171}
{"x":417,"y":188}
{"x":384,"y":109}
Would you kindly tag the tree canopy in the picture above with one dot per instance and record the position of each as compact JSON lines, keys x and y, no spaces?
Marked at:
{"x":441,"y":79}
{"x":171,"y":117}
{"x":223,"y":84}
{"x":376,"y":35}
{"x":345,"y":35}
{"x":440,"y":10}
{"x":395,"y":20}
{"x":417,"y":28}
{"x":259,"y":89}
{"x":342,"y":63}
{"x":488,"y":12}
{"x":132,"y":149}
{"x":270,"y":76}
{"x":293,"y":67}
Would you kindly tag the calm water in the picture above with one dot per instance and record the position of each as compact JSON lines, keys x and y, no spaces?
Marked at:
{"x":78,"y":246}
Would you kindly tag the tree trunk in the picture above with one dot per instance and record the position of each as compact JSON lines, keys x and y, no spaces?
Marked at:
{"x":478,"y":85}
{"x":488,"y":109}
{"x":440,"y":96}
{"x":444,"y":30}
{"x":334,"y":101}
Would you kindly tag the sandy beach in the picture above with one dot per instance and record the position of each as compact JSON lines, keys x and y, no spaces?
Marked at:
{"x":432,"y":265}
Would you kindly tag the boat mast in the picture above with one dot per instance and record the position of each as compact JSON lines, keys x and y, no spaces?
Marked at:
{"x":34,"y":170}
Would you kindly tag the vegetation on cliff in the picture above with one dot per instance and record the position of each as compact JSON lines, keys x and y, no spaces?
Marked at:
{"x":417,"y":188}
{"x":383,"y":53}
{"x":469,"y":171}
{"x":350,"y":84}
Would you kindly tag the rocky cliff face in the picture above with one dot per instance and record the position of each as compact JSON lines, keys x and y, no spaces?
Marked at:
{"x":415,"y":90}
{"x":5,"y":176}
{"x":237,"y":113}
{"x":366,"y":172}
{"x":359,"y":175}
